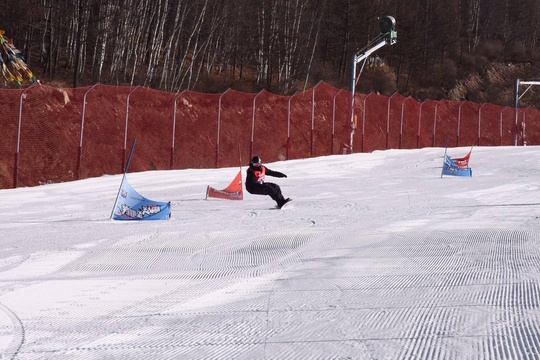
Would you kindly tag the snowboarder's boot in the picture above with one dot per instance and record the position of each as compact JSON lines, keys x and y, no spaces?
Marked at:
{"x":281,"y":203}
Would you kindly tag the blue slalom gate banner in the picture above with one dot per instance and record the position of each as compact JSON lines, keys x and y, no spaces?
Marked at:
{"x":451,"y":168}
{"x":130,"y":205}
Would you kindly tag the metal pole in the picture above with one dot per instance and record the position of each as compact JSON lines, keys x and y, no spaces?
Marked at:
{"x":479,"y":120}
{"x":219,"y":127}
{"x":253,"y":125}
{"x":313,"y":119}
{"x":174,"y":129}
{"x":516,"y":101}
{"x":79,"y":152}
{"x":459,"y":121}
{"x":401,"y":125}
{"x":126,"y":128}
{"x":419,"y":124}
{"x":333,"y":122}
{"x":388,"y":120}
{"x":289,"y":125}
{"x":16,"y":166}
{"x":352,"y":124}
{"x":501,"y":124}
{"x":388,"y":36}
{"x":435,"y":124}
{"x":364,"y":121}
{"x":353,"y":90}
{"x":523,"y":124}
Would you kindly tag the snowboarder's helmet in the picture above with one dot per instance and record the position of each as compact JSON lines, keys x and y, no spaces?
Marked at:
{"x":256,"y":160}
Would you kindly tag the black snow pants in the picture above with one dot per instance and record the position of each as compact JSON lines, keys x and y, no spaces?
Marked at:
{"x":268,"y":188}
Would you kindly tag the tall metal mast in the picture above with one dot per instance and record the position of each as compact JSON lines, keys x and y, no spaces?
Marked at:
{"x":516,"y":103}
{"x":387,"y":36}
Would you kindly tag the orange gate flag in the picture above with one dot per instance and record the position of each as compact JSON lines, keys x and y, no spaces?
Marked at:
{"x":463,"y":162}
{"x":232,"y":192}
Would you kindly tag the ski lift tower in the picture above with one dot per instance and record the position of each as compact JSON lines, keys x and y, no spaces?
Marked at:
{"x":387,"y":36}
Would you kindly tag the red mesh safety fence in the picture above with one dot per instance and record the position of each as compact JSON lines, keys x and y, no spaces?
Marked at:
{"x":268,"y":134}
{"x":9,"y":119}
{"x":374,"y":125}
{"x":196,"y":130}
{"x":341,"y":102}
{"x":55,"y":135}
{"x":300,"y":125}
{"x":150,"y":122}
{"x":48,"y":130}
{"x":103,"y":130}
{"x":324,"y":118}
{"x":408,"y":130}
{"x":234,"y":124}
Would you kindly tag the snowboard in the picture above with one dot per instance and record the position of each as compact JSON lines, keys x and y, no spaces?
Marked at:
{"x":288,"y":200}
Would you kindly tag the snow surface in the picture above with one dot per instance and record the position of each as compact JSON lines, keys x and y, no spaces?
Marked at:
{"x":377,"y":257}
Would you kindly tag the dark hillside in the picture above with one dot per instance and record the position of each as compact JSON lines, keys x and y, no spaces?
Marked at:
{"x":457,"y":50}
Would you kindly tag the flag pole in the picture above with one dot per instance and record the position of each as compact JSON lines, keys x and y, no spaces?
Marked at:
{"x":444,"y":159}
{"x":124,"y":176}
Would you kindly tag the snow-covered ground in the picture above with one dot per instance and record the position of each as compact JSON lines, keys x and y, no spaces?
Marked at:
{"x":377,"y":257}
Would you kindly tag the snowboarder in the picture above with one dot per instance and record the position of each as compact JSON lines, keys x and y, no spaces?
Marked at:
{"x":255,"y":182}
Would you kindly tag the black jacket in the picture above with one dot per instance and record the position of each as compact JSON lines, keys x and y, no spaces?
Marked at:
{"x":254,"y":186}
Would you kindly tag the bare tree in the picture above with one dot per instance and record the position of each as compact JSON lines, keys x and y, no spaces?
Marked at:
{"x":280,"y":44}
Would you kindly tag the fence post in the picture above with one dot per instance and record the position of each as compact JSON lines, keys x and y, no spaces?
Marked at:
{"x":501,"y":124}
{"x":126,"y":130}
{"x":79,"y":152}
{"x":253,"y":125}
{"x":16,"y":165}
{"x":174,"y":128}
{"x":459,"y":121}
{"x":364,"y":121}
{"x":313,"y":118}
{"x":516,"y":111}
{"x":312,"y":121}
{"x":523,"y":124}
{"x":219,"y":127}
{"x":289,"y":125}
{"x":435,"y":123}
{"x":333,"y":122}
{"x":351,"y":113}
{"x":388,"y":120}
{"x":479,"y":119}
{"x":401,"y":126}
{"x":419,"y":124}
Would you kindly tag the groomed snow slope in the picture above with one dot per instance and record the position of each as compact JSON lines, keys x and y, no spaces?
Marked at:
{"x":377,"y":257}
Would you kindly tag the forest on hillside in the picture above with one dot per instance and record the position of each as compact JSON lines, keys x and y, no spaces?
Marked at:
{"x":454,"y":49}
